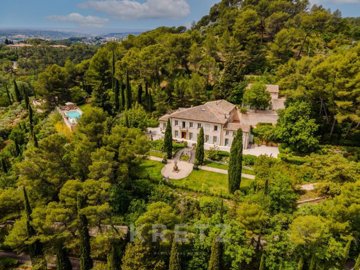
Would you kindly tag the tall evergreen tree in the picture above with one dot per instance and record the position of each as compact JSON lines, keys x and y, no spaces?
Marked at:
{"x":18,"y":96}
{"x":357,"y":263}
{"x":262,"y":262}
{"x":139,"y":94}
{"x":199,"y":154}
{"x":235,"y":163}
{"x":128,"y":92}
{"x":347,"y":251}
{"x":35,"y":249}
{"x":300,"y":265}
{"x":168,"y":140}
{"x":114,"y":257}
{"x":215,"y":262}
{"x":116,"y":96}
{"x":174,"y":263}
{"x":86,"y":262}
{"x":122,"y":94}
{"x":62,"y":258}
{"x":8,"y":94}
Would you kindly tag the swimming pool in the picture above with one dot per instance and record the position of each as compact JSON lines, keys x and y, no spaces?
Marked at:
{"x":73,"y":114}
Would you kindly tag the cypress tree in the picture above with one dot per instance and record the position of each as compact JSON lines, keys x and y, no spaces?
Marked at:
{"x":347,"y":251}
{"x":300,"y":265}
{"x":235,"y":163}
{"x":123,"y":101}
{"x":86,"y":262}
{"x":139,"y":94}
{"x":8,"y":94}
{"x":357,"y":263}
{"x":215,"y":262}
{"x":62,"y":258}
{"x":116,"y":96}
{"x":262,"y":262}
{"x":168,"y":140}
{"x":128,"y":92}
{"x":114,"y":257}
{"x":312,"y":265}
{"x":35,"y":249}
{"x":26,"y":98}
{"x":174,"y":263}
{"x":199,"y":154}
{"x":4,"y":165}
{"x":17,"y":92}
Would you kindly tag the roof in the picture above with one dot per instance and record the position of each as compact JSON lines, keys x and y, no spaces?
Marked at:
{"x":237,"y":126}
{"x":271,"y":88}
{"x":214,"y":112}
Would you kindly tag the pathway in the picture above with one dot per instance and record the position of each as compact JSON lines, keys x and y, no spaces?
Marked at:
{"x":262,"y":150}
{"x":185,"y":168}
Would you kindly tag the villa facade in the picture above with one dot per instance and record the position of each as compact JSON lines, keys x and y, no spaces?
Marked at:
{"x":220,"y":120}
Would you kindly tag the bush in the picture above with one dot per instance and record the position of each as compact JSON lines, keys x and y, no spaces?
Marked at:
{"x":249,"y":160}
{"x":7,"y":263}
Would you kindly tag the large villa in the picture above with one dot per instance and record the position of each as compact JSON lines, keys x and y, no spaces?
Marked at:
{"x":220,"y":120}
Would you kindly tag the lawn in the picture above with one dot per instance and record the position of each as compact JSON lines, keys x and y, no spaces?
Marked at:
{"x":222,"y":166}
{"x":151,"y":169}
{"x":198,"y":180}
{"x":205,"y":181}
{"x":156,"y":153}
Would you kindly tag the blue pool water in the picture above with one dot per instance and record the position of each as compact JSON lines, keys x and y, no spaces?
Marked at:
{"x":73,"y":114}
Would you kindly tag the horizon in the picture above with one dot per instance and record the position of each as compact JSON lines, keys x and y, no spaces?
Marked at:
{"x":106,"y":16}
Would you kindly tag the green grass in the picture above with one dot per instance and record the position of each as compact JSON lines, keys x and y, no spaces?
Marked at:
{"x":151,"y":169}
{"x":205,"y":181}
{"x":156,"y":153}
{"x":225,"y":167}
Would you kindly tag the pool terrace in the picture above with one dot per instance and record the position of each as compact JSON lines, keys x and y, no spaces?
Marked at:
{"x":70,"y":113}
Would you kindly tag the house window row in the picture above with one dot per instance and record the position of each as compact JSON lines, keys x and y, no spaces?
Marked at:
{"x":191,"y":124}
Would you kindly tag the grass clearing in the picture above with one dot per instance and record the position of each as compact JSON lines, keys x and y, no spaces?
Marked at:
{"x":156,"y":153}
{"x":222,"y":166}
{"x":205,"y":181}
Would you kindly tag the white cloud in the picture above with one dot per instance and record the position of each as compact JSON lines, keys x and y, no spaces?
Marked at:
{"x":132,"y":9}
{"x":80,"y":19}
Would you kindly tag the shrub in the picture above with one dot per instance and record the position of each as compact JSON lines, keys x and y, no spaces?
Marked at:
{"x":249,"y":160}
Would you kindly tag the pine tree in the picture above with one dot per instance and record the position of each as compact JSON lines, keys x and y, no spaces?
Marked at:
{"x":35,"y":249}
{"x":4,"y":165}
{"x":168,"y":140}
{"x":262,"y":262}
{"x":174,"y":263}
{"x":8,"y":94}
{"x":62,"y":258}
{"x":357,"y":263}
{"x":18,"y":96}
{"x":128,"y":92}
{"x":235,"y":163}
{"x":215,"y":262}
{"x":199,"y":154}
{"x":86,"y":262}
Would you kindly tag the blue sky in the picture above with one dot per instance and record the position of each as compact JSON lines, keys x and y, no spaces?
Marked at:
{"x":119,"y":15}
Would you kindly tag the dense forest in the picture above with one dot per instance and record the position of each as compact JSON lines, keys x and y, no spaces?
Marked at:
{"x":82,"y":194}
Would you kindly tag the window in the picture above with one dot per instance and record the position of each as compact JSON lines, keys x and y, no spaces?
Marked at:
{"x":191,"y":124}
{"x":215,"y":139}
{"x":183,"y":124}
{"x":176,"y":122}
{"x":206,"y":138}
{"x":176,"y":134}
{"x":215,"y":128}
{"x":226,"y":142}
{"x":190,"y":136}
{"x":227,"y":133}
{"x":199,"y":125}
